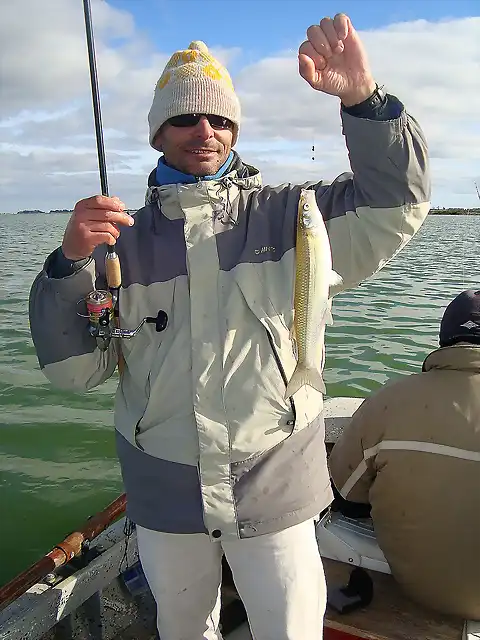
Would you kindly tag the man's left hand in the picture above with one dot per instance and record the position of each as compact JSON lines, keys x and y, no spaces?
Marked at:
{"x":333,"y":60}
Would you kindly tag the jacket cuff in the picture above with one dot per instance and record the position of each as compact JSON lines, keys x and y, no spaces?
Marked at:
{"x":57,"y":266}
{"x":73,"y":287}
{"x":389,"y":109}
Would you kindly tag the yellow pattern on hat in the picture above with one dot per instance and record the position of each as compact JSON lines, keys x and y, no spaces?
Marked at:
{"x":194,"y":81}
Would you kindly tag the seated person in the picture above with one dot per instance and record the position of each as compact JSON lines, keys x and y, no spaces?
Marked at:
{"x":412,"y":455}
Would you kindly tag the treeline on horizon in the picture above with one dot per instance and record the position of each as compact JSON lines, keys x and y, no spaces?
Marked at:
{"x":33,"y":211}
{"x":454,"y":211}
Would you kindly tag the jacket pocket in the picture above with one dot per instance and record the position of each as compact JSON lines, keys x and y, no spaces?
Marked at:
{"x":137,"y":433}
{"x":293,"y":420}
{"x":270,"y":325}
{"x":145,"y":352}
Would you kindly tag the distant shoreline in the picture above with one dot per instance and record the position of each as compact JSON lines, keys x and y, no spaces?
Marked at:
{"x":435,"y":211}
{"x":37,"y":211}
{"x":454,"y":212}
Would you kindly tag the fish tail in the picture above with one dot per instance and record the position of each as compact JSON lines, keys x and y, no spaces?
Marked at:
{"x":303,"y":376}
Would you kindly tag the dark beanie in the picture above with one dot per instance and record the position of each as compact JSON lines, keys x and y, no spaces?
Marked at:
{"x":461,"y":320}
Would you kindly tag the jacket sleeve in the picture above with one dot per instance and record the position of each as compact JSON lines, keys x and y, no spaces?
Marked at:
{"x":374,"y":210}
{"x":67,"y":354}
{"x":351,"y":466}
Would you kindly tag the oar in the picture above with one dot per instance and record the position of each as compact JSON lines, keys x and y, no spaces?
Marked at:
{"x":63,"y":552}
{"x":112,"y":261}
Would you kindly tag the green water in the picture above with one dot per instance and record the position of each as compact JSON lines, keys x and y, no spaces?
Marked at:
{"x":57,"y":457}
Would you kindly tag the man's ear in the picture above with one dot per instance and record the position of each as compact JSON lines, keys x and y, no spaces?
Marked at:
{"x":156,"y":140}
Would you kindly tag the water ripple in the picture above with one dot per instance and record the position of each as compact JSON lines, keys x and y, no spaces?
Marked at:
{"x":57,"y":447}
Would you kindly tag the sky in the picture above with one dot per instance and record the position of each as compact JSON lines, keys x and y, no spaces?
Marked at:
{"x":426,"y":52}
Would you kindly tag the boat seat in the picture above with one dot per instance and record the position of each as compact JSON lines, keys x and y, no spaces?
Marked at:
{"x":351,"y":541}
{"x":471,"y":630}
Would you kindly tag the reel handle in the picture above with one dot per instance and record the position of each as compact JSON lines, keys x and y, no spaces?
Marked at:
{"x":160,"y":321}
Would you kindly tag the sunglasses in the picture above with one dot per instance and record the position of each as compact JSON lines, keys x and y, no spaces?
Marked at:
{"x":192,"y":119}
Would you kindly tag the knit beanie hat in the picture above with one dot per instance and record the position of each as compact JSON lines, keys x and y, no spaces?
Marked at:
{"x":461,"y":320}
{"x":193,"y":81}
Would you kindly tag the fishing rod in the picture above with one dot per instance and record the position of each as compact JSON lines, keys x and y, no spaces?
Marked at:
{"x":103,"y":306}
{"x":113,"y":271}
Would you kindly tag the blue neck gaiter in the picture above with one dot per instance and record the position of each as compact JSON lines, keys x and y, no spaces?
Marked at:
{"x":169,"y":175}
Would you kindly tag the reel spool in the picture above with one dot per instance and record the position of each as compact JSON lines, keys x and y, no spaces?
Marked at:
{"x":101,"y":316}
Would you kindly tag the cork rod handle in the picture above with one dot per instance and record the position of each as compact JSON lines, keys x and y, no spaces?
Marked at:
{"x":113,"y":271}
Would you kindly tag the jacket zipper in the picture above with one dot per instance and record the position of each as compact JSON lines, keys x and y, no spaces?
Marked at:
{"x":284,"y":378}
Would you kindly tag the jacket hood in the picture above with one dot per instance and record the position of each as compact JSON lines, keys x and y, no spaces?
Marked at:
{"x":459,"y":357}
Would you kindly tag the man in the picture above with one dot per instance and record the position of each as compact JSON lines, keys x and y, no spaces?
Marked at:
{"x":412,"y":452}
{"x":214,"y":459}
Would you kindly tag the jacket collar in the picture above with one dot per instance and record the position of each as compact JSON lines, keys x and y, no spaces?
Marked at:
{"x":243,"y":175}
{"x":239,"y":176}
{"x":460,"y":357}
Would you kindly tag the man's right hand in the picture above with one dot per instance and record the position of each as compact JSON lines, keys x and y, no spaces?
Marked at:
{"x":93,"y":222}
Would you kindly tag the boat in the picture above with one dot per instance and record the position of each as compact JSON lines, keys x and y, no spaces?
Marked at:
{"x":91,"y":585}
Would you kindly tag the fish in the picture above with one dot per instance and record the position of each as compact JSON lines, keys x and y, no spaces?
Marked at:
{"x":314,"y":276}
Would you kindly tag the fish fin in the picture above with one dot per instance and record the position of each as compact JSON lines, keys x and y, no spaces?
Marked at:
{"x":293,"y":333}
{"x":295,"y":349}
{"x":303,"y":376}
{"x":327,"y":317}
{"x":335,"y":279}
{"x":293,"y":339}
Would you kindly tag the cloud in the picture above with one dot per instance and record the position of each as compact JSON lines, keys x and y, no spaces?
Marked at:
{"x":43,"y":54}
{"x":439,"y":84}
{"x":48,"y":156}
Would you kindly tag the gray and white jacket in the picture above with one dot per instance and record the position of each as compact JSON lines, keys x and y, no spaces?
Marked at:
{"x":205,"y":438}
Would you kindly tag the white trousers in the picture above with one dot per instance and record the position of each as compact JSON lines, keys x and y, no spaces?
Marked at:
{"x":279,"y":578}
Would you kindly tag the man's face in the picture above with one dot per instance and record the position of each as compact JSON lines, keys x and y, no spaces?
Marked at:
{"x":200,"y":148}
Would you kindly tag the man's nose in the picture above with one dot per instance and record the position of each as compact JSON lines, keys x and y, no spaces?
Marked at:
{"x":203,"y":129}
